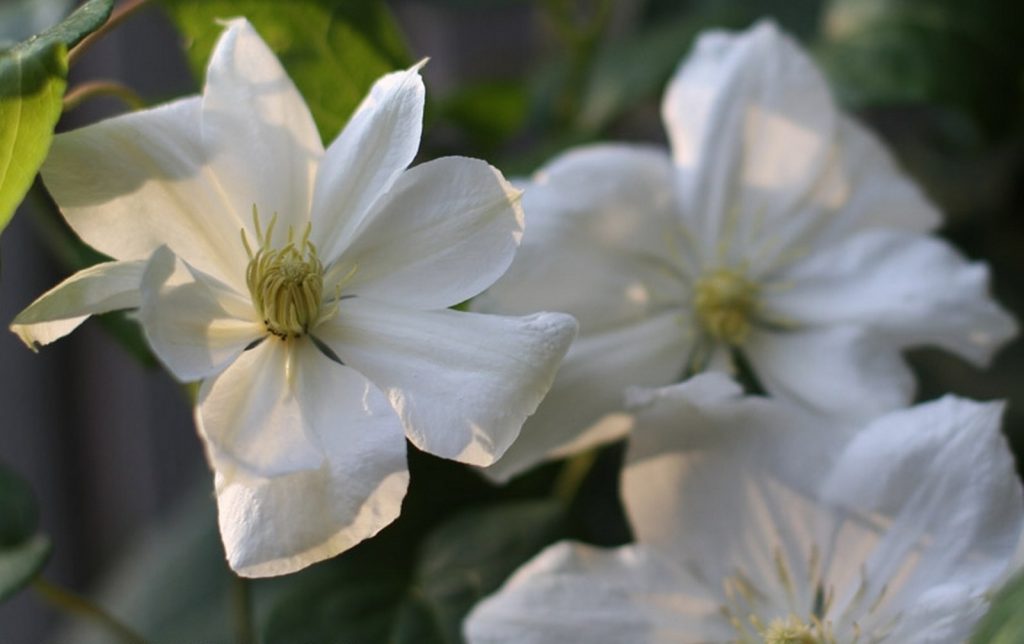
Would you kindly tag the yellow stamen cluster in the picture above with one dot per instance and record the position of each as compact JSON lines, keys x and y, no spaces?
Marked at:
{"x":286,"y":284}
{"x":725,"y":302}
{"x":795,"y":631}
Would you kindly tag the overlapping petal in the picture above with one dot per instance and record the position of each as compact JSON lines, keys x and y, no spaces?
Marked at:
{"x":275,"y":526}
{"x":377,"y":144}
{"x":445,"y":231}
{"x":462,"y":383}
{"x":260,"y":139}
{"x":109,"y":286}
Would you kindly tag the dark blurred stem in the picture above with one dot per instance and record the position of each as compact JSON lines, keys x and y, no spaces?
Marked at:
{"x":93,"y":89}
{"x":571,"y":477}
{"x":79,"y":606}
{"x":241,"y":608}
{"x":581,"y":38}
{"x":119,"y":15}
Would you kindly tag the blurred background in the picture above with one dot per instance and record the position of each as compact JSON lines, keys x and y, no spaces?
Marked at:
{"x":105,"y":437}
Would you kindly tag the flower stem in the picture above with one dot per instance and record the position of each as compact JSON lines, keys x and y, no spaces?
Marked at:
{"x":571,"y":477}
{"x":92,"y":89}
{"x":241,"y":609}
{"x":119,"y":15}
{"x":79,"y":606}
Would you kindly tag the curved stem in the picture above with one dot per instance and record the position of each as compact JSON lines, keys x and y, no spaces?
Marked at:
{"x":120,"y":14}
{"x":241,"y":604}
{"x":92,"y":89}
{"x":79,"y":606}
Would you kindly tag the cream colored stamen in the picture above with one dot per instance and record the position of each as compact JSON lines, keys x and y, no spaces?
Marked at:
{"x":286,"y":284}
{"x":795,"y":631}
{"x":725,"y":302}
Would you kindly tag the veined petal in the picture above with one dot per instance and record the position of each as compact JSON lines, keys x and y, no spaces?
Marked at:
{"x":276,"y":526}
{"x":839,"y":371}
{"x":196,"y":328}
{"x":586,"y":404}
{"x":462,"y":383}
{"x":943,"y":478}
{"x":379,"y":141}
{"x":573,"y":592}
{"x":602,"y":242}
{"x":253,"y":419}
{"x":109,"y":286}
{"x":133,"y":183}
{"x":262,"y":143}
{"x":752,"y":124}
{"x":916,"y":289}
{"x":445,"y":231}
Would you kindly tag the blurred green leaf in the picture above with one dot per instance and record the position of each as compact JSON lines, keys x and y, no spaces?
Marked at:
{"x":490,"y":113}
{"x":20,"y":564}
{"x":375,"y":594}
{"x":968,"y":56}
{"x":19,"y":515}
{"x":333,"y":49}
{"x":1004,"y":623}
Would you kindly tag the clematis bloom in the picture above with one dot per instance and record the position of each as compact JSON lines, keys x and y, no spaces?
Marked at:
{"x":308,"y":290}
{"x":776,"y":229}
{"x":754,"y":525}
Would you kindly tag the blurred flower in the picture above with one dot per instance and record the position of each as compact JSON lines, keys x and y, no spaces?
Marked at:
{"x":779,"y":230}
{"x":754,"y":525}
{"x":308,"y":290}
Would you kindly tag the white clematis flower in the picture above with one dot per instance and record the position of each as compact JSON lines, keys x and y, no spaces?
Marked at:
{"x":308,"y":290}
{"x":777,"y":228}
{"x":753,"y":525}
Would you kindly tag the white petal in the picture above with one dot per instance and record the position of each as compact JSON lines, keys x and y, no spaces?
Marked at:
{"x":279,"y":525}
{"x":253,"y":418}
{"x":196,"y":328}
{"x":462,"y":383}
{"x":260,"y":137}
{"x":132,"y":183}
{"x":585,"y":406}
{"x":109,"y":286}
{"x":841,"y":371}
{"x":916,"y":289}
{"x":445,"y":231}
{"x":751,"y":124}
{"x":943,"y":477}
{"x":577,"y":593}
{"x":379,"y":141}
{"x":602,"y":240}
{"x":724,"y":483}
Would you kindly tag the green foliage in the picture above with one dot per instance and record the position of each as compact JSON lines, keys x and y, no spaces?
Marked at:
{"x":375,"y":594}
{"x":23,"y":552}
{"x":32,"y":80}
{"x":1004,"y":623}
{"x":333,"y":49}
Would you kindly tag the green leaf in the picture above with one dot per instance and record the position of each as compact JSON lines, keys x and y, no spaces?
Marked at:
{"x":19,"y":515}
{"x":20,"y":564}
{"x":333,"y":49}
{"x":376,"y":594}
{"x":1004,"y":623}
{"x":32,"y":81}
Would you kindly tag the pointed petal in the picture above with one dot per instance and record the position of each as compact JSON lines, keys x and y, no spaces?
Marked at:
{"x":841,"y":371}
{"x":573,"y":592}
{"x":602,"y":240}
{"x":109,"y":286}
{"x":253,"y":420}
{"x":586,"y":405}
{"x":196,"y":328}
{"x":446,"y":230}
{"x":916,"y":289}
{"x":260,"y":137}
{"x":132,"y":183}
{"x":462,"y":383}
{"x":379,"y":141}
{"x":276,"y":526}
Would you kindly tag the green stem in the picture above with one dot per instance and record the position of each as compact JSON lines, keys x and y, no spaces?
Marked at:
{"x":575,"y":470}
{"x":92,"y":89}
{"x":119,"y":15}
{"x":79,"y":606}
{"x":241,"y":609}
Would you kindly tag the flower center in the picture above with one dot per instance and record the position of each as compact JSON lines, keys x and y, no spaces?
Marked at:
{"x":795,"y":631}
{"x":725,"y":302}
{"x":286,"y":284}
